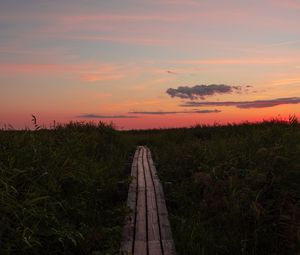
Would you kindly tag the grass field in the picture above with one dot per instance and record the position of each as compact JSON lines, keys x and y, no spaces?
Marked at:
{"x":63,"y":190}
{"x":230,"y":189}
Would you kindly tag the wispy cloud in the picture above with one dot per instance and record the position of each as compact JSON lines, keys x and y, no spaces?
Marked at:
{"x":181,"y":2}
{"x":287,"y":81}
{"x":290,"y":4}
{"x":290,"y":42}
{"x":202,"y":91}
{"x":31,"y":68}
{"x":174,"y":112}
{"x":105,"y":71}
{"x":139,"y":40}
{"x":97,"y":77}
{"x":96,"y":116}
{"x":117,"y":17}
{"x":246,"y":104}
{"x":86,"y":71}
{"x":171,"y":72}
{"x":239,"y":61}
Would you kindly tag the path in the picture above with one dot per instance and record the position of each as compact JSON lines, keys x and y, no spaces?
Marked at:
{"x":148,"y":230}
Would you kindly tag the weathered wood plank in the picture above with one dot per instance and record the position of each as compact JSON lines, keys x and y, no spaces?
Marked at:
{"x":148,"y":230}
{"x":165,"y":227}
{"x":140,"y":243}
{"x":154,"y":247}
{"x":128,"y":232}
{"x":154,"y":244}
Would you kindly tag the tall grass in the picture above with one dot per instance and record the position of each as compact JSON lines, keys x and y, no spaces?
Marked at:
{"x":62,"y":191}
{"x":231,"y":189}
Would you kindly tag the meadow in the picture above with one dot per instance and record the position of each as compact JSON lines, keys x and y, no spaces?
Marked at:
{"x":62,"y":191}
{"x":230,"y":189}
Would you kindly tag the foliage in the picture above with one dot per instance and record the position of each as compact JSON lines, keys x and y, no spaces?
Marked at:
{"x":62,"y":191}
{"x":231,"y":189}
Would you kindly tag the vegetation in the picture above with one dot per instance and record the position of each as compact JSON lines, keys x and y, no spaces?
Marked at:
{"x":62,"y":191}
{"x":230,"y":189}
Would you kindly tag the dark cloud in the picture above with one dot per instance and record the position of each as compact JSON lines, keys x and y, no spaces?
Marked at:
{"x":247,"y":104}
{"x":96,"y":116}
{"x":171,"y":72}
{"x":202,"y":91}
{"x":207,"y":111}
{"x":175,"y":112}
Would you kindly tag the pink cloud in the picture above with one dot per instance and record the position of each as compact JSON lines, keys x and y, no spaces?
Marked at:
{"x":291,"y":4}
{"x":148,"y":28}
{"x":31,"y":68}
{"x":182,"y":2}
{"x":86,"y":72}
{"x":286,"y":81}
{"x":170,"y":16}
{"x":101,"y":77}
{"x":239,"y":61}
{"x":125,"y":39}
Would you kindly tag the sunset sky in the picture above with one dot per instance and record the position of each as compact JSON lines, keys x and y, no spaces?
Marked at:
{"x":148,"y":63}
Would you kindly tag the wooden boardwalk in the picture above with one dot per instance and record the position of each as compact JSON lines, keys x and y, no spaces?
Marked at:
{"x":148,"y":230}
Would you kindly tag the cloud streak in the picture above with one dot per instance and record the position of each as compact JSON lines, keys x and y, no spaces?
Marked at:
{"x":258,"y":60}
{"x":96,"y":116}
{"x":87,"y":72}
{"x":202,"y":91}
{"x":174,"y":112}
{"x":246,"y":104}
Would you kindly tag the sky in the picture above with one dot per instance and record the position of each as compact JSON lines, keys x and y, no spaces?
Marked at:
{"x":148,"y":63}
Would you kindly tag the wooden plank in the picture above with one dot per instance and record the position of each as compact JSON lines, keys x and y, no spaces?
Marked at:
{"x":128,"y":232}
{"x":154,"y":247}
{"x":154,"y":244}
{"x":140,"y":243}
{"x":148,"y":230}
{"x":165,"y":227}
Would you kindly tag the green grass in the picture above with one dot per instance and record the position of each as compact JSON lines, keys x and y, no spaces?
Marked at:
{"x":62,"y":191}
{"x":231,"y":189}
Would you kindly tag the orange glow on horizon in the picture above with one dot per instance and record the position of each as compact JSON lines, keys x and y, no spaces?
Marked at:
{"x":106,"y":60}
